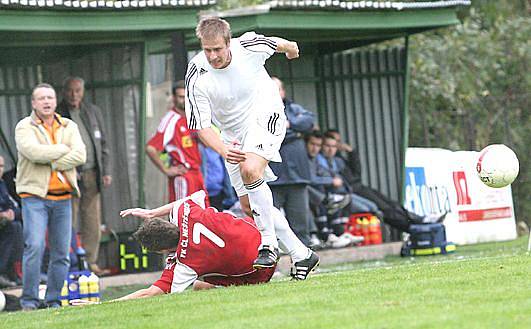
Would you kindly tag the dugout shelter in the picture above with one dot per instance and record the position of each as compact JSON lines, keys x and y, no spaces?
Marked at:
{"x":122,"y":48}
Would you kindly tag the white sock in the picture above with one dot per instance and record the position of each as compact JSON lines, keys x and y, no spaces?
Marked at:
{"x":288,"y":240}
{"x":261,"y":202}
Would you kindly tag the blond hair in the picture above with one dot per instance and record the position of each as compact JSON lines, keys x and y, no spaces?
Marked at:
{"x":210,"y":28}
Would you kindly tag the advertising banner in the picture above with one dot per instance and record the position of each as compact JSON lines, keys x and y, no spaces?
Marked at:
{"x":439,"y":181}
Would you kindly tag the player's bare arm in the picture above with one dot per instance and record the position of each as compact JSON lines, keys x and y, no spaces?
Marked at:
{"x":148,"y":213}
{"x":142,"y":293}
{"x":290,"y":48}
{"x":201,"y":285}
{"x":211,"y":139}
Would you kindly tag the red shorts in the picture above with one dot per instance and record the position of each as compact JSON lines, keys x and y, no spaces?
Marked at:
{"x":183,"y":186}
{"x":256,"y":277}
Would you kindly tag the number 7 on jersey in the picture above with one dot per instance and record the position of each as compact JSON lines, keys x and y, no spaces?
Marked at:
{"x":202,"y":229}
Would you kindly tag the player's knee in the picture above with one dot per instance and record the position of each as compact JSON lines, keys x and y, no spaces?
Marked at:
{"x":250,"y":174}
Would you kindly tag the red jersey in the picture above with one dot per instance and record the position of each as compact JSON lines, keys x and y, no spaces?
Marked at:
{"x":215,"y":247}
{"x":174,"y":137}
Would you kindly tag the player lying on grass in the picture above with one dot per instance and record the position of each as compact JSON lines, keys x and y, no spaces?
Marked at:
{"x":287,"y":239}
{"x":213,"y":248}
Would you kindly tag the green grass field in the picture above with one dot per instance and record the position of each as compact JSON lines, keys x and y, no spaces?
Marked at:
{"x":480,"y":286}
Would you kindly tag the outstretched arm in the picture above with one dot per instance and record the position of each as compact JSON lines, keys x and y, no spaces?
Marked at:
{"x":148,"y":213}
{"x":142,"y":293}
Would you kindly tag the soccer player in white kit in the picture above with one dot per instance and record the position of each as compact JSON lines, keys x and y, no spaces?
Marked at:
{"x":228,"y":85}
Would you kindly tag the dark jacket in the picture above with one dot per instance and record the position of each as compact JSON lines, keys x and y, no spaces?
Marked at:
{"x":321,"y":178}
{"x":294,"y":168}
{"x":7,"y":202}
{"x":93,"y":121}
{"x":352,"y":172}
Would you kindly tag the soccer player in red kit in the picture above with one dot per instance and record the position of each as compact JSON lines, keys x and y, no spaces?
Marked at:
{"x":174,"y":138}
{"x":213,"y":248}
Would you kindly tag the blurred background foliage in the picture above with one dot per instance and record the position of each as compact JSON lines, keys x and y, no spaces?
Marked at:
{"x":470,"y":86}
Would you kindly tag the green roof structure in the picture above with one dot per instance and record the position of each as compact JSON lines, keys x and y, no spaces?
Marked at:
{"x":109,"y":43}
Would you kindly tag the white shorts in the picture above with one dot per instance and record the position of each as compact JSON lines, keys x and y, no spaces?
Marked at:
{"x":263,"y":138}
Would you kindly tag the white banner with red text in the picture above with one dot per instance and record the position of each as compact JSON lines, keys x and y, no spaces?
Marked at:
{"x":439,"y":180}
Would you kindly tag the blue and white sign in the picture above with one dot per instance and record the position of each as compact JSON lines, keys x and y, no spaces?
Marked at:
{"x":439,"y":181}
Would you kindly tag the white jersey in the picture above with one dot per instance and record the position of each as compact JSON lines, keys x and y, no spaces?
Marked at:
{"x":236,"y":96}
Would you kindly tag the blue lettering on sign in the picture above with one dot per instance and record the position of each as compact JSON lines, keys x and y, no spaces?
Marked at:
{"x":422,"y":198}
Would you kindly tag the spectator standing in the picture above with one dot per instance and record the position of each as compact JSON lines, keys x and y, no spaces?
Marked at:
{"x":50,"y":148}
{"x":228,"y":84}
{"x":175,"y":139}
{"x":290,"y":190}
{"x":11,"y":245}
{"x":94,"y":174}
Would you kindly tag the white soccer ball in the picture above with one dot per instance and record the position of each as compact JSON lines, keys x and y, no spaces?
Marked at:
{"x":497,"y":165}
{"x":2,"y":301}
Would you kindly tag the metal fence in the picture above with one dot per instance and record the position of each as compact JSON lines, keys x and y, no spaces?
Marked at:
{"x":360,"y":92}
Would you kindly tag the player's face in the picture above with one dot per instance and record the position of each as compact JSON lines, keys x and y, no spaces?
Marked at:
{"x":313,"y":146}
{"x":44,"y":102}
{"x":329,"y":147}
{"x":178,"y":98}
{"x":217,"y":52}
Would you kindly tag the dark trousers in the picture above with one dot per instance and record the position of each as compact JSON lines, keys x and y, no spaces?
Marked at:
{"x":394,"y":214}
{"x":295,"y":202}
{"x":11,"y":246}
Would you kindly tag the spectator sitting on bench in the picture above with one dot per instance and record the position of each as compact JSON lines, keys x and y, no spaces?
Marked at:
{"x":320,"y":203}
{"x":335,"y":167}
{"x":393,"y":213}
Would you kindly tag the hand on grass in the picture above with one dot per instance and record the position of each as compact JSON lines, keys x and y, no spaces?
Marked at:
{"x":82,"y":302}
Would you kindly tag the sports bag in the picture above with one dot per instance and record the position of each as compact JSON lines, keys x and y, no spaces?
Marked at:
{"x":427,"y":239}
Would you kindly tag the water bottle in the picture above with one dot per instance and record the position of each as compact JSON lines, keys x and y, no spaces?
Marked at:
{"x":94,"y":287}
{"x":64,"y":294}
{"x":83,"y":287}
{"x":81,"y":259}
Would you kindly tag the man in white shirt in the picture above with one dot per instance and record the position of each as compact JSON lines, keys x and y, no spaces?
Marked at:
{"x":227,"y":84}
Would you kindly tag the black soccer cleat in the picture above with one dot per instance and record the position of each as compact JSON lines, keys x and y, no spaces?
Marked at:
{"x":267,"y":258}
{"x":301,"y":269}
